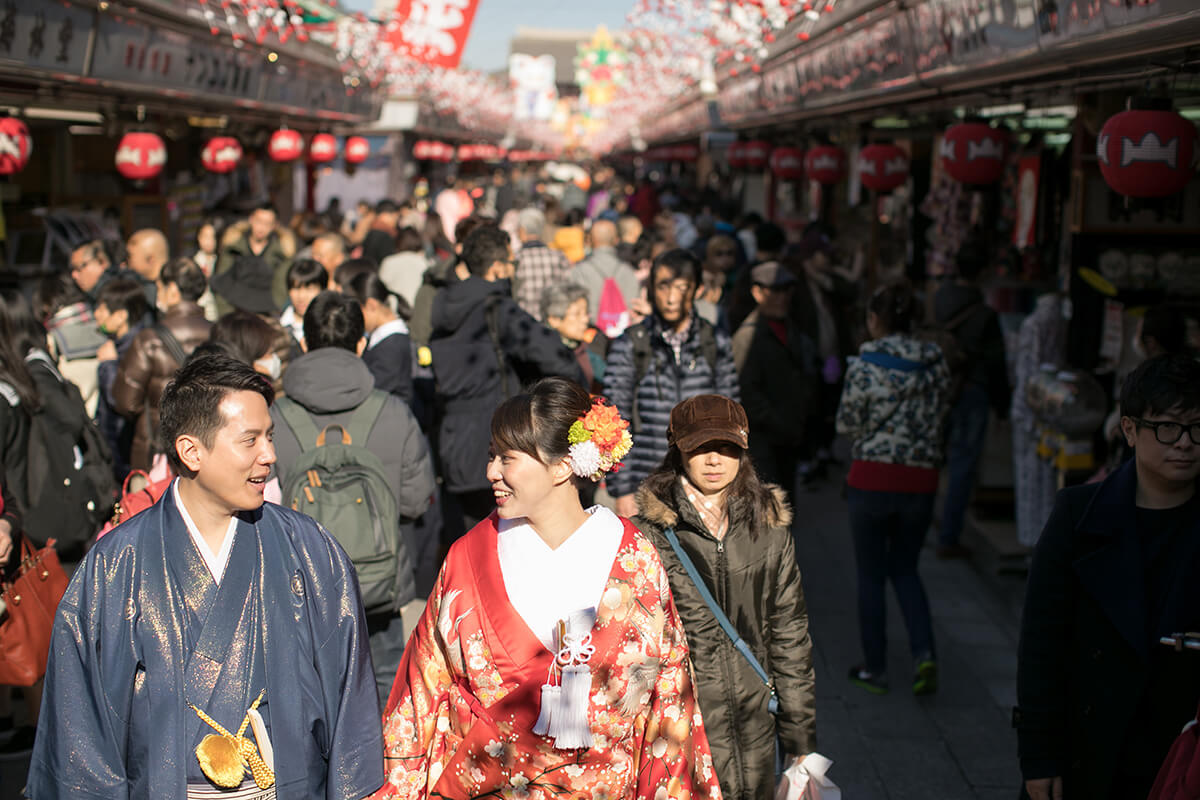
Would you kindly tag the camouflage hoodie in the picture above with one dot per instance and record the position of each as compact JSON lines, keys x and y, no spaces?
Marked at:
{"x":895,"y":411}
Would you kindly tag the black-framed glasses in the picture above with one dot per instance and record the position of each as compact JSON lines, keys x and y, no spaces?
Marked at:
{"x":1168,"y":432}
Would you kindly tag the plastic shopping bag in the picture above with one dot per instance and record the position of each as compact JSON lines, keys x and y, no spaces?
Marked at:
{"x":807,"y":781}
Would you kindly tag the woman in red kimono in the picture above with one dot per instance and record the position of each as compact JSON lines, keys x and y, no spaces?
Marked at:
{"x":550,"y":660}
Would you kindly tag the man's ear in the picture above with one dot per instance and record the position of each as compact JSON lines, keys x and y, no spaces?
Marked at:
{"x":190,"y":451}
{"x":362,"y":346}
{"x":1129,"y":428}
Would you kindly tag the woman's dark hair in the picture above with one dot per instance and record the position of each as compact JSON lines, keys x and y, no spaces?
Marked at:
{"x":306,"y":272}
{"x":333,"y":319}
{"x":408,"y":240}
{"x":365,"y":286}
{"x":573,"y":218}
{"x":218,"y":226}
{"x":17,"y":327}
{"x":747,"y":497}
{"x":53,"y":293}
{"x":246,"y":335}
{"x":895,"y":306}
{"x":536,"y":423}
{"x":1162,"y":384}
{"x":191,"y":402}
{"x":346,"y":271}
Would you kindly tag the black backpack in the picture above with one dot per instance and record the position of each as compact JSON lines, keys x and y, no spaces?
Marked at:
{"x":70,"y":487}
{"x":643,"y":354}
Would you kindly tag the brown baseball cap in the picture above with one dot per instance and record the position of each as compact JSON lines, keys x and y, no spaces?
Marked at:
{"x":708,"y":418}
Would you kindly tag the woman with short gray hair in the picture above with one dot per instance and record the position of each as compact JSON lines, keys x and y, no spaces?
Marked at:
{"x":564,"y":307}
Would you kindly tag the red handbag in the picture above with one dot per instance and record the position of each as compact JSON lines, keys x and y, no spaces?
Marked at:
{"x":30,"y":602}
{"x":132,"y":503}
{"x":1179,"y":776}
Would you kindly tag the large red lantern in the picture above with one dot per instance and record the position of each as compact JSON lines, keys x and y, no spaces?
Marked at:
{"x":734,"y":154}
{"x":755,"y":154}
{"x":882,"y":167}
{"x":357,"y":149}
{"x":140,"y":155}
{"x":15,"y":145}
{"x":221,"y":154}
{"x":322,"y":149}
{"x":973,"y":152}
{"x":285,"y":145}
{"x":787,"y":163}
{"x":825,"y":164}
{"x":1147,"y":153}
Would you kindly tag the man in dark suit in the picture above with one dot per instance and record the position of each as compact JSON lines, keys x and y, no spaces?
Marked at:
{"x":1117,"y":569}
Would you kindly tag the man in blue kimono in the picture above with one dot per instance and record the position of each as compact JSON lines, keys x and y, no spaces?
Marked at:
{"x":212,"y":615}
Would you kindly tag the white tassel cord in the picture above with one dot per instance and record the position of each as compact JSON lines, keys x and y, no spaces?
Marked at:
{"x":563,"y":716}
{"x":551,"y":697}
{"x":574,"y":729}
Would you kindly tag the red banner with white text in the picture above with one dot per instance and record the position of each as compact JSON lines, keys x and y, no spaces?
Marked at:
{"x":431,"y":31}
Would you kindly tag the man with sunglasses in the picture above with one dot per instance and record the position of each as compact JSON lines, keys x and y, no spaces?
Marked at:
{"x":1117,"y":571}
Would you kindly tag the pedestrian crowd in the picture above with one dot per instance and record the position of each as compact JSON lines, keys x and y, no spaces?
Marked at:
{"x":581,"y":422}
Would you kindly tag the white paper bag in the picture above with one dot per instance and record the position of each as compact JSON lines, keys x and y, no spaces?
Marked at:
{"x":807,"y":781}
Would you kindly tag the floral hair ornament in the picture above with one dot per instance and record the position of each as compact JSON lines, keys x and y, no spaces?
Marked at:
{"x":599,"y":440}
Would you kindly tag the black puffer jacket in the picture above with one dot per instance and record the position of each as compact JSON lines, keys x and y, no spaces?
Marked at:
{"x":757,"y":583}
{"x":980,"y":337}
{"x":665,"y":384}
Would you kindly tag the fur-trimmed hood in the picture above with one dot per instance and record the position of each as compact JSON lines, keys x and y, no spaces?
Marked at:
{"x":654,"y":509}
{"x":236,"y":233}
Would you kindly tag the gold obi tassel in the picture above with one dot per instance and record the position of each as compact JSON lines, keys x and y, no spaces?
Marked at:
{"x":225,"y":758}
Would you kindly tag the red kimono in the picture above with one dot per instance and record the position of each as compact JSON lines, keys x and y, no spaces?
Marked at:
{"x":460,"y":718}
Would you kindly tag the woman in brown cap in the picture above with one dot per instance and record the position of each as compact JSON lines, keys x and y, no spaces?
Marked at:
{"x":707,"y":504}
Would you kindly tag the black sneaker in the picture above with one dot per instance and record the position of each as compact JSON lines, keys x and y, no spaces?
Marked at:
{"x":925,"y":677}
{"x":873,"y":682}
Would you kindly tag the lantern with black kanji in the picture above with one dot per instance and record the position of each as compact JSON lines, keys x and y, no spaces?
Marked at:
{"x":356,"y":150}
{"x":1147,"y":153}
{"x":973,"y":152}
{"x":882,"y":167}
{"x":221,"y":154}
{"x":825,"y":164}
{"x":285,"y":145}
{"x":15,"y":145}
{"x":787,"y":163}
{"x":140,"y":155}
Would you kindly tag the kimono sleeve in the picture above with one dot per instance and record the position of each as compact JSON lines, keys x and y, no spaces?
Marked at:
{"x":80,"y":747}
{"x":674,"y":751}
{"x":416,"y":719}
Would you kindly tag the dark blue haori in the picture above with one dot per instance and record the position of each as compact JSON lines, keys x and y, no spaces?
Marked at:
{"x":144,"y":631}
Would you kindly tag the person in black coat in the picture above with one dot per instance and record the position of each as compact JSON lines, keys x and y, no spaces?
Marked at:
{"x":389,"y":350}
{"x":1116,"y":569}
{"x":484,"y":349}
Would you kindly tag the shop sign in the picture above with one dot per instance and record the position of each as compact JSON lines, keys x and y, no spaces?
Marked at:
{"x":1147,"y":153}
{"x":740,"y":100}
{"x":49,"y":36}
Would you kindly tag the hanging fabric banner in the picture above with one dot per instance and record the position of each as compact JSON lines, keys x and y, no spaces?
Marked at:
{"x":431,"y":31}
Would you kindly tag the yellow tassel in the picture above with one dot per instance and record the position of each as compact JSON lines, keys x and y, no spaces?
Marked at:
{"x":224,"y":759}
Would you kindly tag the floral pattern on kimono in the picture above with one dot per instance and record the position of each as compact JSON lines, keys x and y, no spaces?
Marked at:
{"x":460,"y":716}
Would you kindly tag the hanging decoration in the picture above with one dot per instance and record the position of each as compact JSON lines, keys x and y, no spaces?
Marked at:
{"x":285,"y":145}
{"x":255,"y":20}
{"x":787,"y":163}
{"x":322,"y":148}
{"x":1147,"y":153}
{"x":140,"y":155}
{"x":882,"y":167}
{"x":734,"y":154}
{"x":479,"y":152}
{"x":15,"y":145}
{"x":600,"y":71}
{"x":825,"y":164}
{"x":356,"y":150}
{"x":430,"y":32}
{"x":425,"y":150}
{"x":755,"y":154}
{"x":973,"y":153}
{"x":221,"y":154}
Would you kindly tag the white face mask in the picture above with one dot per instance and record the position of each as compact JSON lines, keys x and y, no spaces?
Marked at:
{"x":272,"y":365}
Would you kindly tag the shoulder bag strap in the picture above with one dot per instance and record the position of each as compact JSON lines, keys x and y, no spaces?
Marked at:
{"x":491,"y":314}
{"x":171,"y":343}
{"x":364,"y":417}
{"x":889,"y":361}
{"x":298,"y":420}
{"x":738,"y":642}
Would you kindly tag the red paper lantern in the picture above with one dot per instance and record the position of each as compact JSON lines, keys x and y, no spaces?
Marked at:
{"x":734,"y":154}
{"x":221,"y":154}
{"x":425,"y":150}
{"x":787,"y":163}
{"x":1147,"y":153}
{"x":684,"y":152}
{"x":882,"y":167}
{"x":825,"y":164}
{"x":322,"y":149}
{"x":285,"y":145}
{"x":357,"y":149}
{"x":140,"y":155}
{"x":755,"y":154}
{"x":973,"y":152}
{"x":15,"y":145}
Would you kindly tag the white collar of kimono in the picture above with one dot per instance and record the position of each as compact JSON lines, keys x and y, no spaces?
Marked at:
{"x":385,"y":330}
{"x":547,"y":585}
{"x":216,"y":562}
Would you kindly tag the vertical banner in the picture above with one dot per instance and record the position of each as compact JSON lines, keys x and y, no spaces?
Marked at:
{"x":433,"y":32}
{"x":1029,"y":172}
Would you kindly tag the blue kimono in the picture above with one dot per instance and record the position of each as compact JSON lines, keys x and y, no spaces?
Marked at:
{"x":143,"y":631}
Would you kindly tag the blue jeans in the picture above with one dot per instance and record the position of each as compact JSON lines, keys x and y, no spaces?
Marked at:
{"x":889,"y":529}
{"x":964,"y":445}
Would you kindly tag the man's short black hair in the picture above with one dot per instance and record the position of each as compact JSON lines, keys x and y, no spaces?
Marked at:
{"x":187,"y":275}
{"x":191,"y":403}
{"x":485,"y":246}
{"x":769,"y":237}
{"x":1159,"y":385}
{"x":306,"y":272}
{"x":265,"y":207}
{"x":333,"y":319}
{"x":124,"y":293}
{"x":386,"y":207}
{"x":680,"y":264}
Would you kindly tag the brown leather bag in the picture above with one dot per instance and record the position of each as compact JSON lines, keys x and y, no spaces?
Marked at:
{"x":30,"y":603}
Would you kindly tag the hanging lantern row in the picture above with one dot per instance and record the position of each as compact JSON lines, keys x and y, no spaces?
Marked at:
{"x":15,"y":145}
{"x":529,"y":155}
{"x":1147,"y":153}
{"x":140,"y":155}
{"x":480,"y":152}
{"x":973,"y":153}
{"x":882,"y":167}
{"x":678,"y":152}
{"x":425,"y":150}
